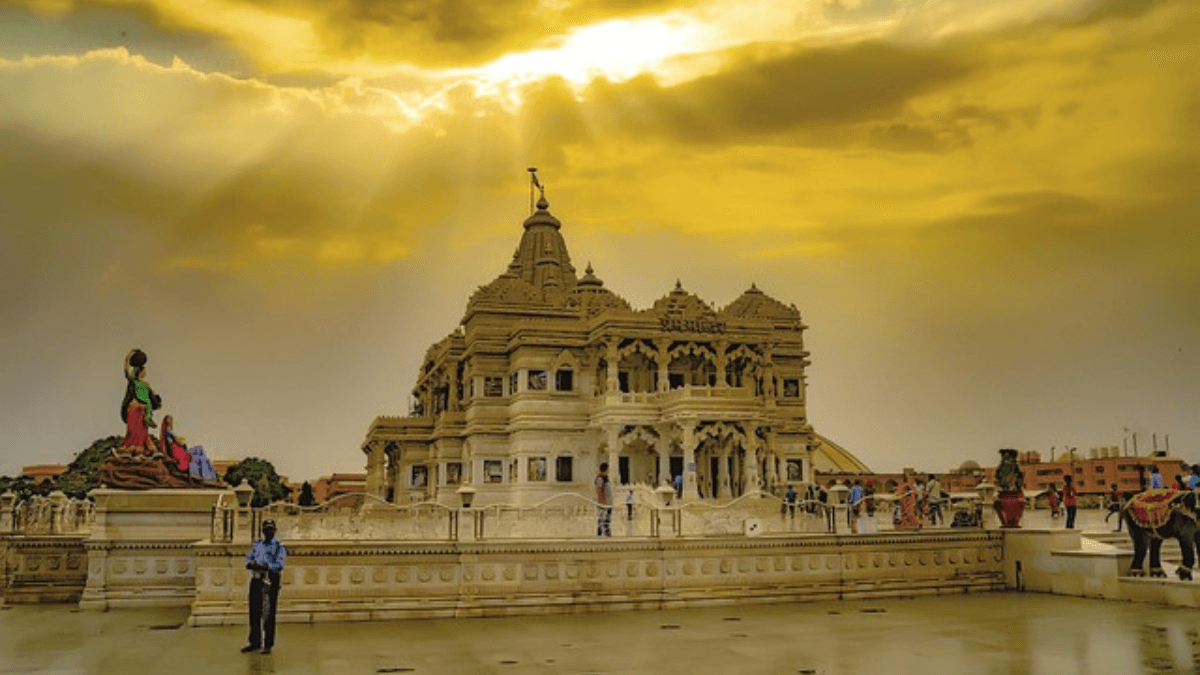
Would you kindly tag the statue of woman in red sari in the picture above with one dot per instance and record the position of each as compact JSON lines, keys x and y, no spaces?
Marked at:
{"x":174,"y":448}
{"x":138,"y":406}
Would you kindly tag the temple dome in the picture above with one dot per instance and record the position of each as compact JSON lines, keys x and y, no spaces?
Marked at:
{"x":754,"y":304}
{"x":507,"y":290}
{"x":680,"y":303}
{"x":829,"y":457}
{"x":591,"y":297}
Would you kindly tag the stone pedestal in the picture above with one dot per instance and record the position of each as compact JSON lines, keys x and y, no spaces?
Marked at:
{"x":140,"y":552}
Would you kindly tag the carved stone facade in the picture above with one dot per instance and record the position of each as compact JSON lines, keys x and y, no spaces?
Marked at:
{"x":550,"y":374}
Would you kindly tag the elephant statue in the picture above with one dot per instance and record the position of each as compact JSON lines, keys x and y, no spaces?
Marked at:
{"x":1159,"y":514}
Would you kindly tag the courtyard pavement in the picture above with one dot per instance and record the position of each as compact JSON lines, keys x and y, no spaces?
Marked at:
{"x":993,"y":633}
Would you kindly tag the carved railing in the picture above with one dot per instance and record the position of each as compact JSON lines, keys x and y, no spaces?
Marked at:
{"x":51,"y":515}
{"x":362,"y":517}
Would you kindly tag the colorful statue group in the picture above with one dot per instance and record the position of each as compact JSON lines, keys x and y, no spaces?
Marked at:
{"x":142,"y":462}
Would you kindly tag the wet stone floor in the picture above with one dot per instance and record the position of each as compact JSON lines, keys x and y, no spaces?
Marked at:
{"x":996,"y":633}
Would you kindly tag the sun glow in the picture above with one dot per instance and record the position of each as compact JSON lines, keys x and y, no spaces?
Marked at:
{"x":617,"y":50}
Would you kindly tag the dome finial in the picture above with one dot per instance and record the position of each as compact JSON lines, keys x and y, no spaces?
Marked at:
{"x":589,"y":268}
{"x":542,"y":204}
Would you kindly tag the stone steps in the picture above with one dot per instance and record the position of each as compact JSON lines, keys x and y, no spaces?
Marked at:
{"x":1170,"y":549}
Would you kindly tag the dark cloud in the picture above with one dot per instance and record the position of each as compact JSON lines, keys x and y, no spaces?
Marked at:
{"x":1102,"y":10}
{"x":1067,"y":109}
{"x":902,"y":137}
{"x":807,"y":89}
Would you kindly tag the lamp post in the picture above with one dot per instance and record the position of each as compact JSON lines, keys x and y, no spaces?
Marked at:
{"x":466,"y":494}
{"x":244,"y":494}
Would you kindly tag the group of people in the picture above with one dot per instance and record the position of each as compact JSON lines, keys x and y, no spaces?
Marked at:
{"x":1067,"y":499}
{"x":916,"y":501}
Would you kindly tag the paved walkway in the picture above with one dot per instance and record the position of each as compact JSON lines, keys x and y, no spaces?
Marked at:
{"x":959,"y":635}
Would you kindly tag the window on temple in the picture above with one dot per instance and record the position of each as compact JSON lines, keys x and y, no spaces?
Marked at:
{"x":564,"y":380}
{"x":795,"y":470}
{"x":537,"y":380}
{"x":675,"y":380}
{"x":537,"y":469}
{"x":453,"y":473}
{"x":493,"y":386}
{"x":493,"y":471}
{"x":512,"y":383}
{"x":791,"y":388}
{"x":563,"y":470}
{"x":623,"y":381}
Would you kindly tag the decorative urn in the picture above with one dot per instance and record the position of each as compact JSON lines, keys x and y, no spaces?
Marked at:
{"x":1010,"y":504}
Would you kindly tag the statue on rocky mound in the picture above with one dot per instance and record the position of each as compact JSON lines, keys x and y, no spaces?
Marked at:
{"x":141,"y":463}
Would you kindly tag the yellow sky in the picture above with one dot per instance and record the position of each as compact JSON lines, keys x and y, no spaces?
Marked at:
{"x":984,"y":209}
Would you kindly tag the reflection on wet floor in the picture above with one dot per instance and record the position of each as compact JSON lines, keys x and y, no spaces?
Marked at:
{"x":991,"y":634}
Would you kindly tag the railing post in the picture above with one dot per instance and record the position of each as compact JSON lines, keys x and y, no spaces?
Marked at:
{"x":58,"y":509}
{"x":8,"y":502}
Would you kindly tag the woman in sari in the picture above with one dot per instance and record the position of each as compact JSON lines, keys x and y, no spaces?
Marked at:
{"x":909,"y":515}
{"x":174,"y":447}
{"x":138,"y":405}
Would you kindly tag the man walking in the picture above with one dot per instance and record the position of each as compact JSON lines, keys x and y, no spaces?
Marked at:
{"x":1194,"y":479}
{"x":265,"y":562}
{"x":604,"y":496}
{"x":1114,"y":506}
{"x":933,"y":494}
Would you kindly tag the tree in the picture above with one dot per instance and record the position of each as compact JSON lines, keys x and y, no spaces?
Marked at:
{"x":83,"y":473}
{"x":260,"y":475}
{"x":25,"y":487}
{"x":306,"y":495}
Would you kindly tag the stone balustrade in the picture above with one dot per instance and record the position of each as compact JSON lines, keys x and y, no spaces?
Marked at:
{"x":354,"y":581}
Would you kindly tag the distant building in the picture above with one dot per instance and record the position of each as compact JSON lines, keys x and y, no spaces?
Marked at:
{"x":329,"y":487}
{"x":222,"y":465}
{"x":1094,"y":473}
{"x":1097,"y":471}
{"x":40,"y":472}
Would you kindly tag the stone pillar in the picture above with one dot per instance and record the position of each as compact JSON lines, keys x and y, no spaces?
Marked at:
{"x":454,"y":405}
{"x":664,"y":362}
{"x":376,"y":470}
{"x":753,"y":482}
{"x":689,"y":459}
{"x":614,"y":452}
{"x":722,"y":364}
{"x":613,"y":359}
{"x":723,"y":478}
{"x":768,"y":374}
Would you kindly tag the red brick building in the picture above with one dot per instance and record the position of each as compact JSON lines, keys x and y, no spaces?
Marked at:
{"x":328,"y":487}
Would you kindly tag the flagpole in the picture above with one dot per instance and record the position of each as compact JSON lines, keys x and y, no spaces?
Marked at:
{"x":533,"y":181}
